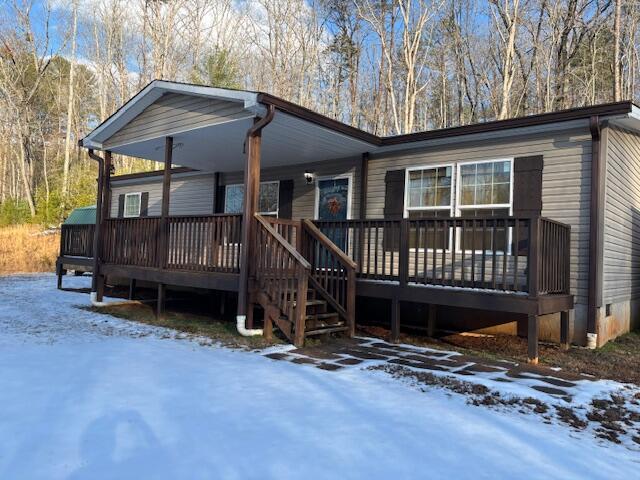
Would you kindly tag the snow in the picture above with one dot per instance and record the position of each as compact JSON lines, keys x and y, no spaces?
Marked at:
{"x":85,"y":395}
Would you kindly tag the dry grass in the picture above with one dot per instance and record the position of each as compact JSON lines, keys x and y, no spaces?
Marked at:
{"x":220,"y":331}
{"x":28,"y":248}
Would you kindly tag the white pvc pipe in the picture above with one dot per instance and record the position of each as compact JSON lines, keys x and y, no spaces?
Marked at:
{"x":96,"y":303}
{"x":246,"y":332}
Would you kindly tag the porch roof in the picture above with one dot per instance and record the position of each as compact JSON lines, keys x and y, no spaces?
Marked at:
{"x":209,"y":125}
{"x":209,"y":133}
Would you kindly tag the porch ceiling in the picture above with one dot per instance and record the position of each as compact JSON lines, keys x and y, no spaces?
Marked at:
{"x":287,"y":140}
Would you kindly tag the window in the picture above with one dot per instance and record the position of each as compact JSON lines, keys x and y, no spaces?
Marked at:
{"x":485,"y":190}
{"x":267,"y":201}
{"x":132,"y":204}
{"x":485,"y":186}
{"x":429,"y":188}
{"x":429,"y":195}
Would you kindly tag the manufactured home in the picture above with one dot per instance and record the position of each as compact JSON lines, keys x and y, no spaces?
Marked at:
{"x":525,"y":226}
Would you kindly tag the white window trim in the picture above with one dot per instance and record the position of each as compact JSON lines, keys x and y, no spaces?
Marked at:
{"x":509,"y":205}
{"x":408,"y":209}
{"x":277,"y":182}
{"x":128,"y":195}
{"x":348,"y":176}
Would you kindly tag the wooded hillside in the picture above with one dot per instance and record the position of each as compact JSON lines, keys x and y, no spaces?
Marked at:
{"x":386,"y":66}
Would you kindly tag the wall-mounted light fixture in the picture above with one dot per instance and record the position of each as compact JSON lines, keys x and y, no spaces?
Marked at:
{"x":309,"y":177}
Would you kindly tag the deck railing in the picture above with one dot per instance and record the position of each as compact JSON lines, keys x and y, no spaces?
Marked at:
{"x":488,"y":253}
{"x":77,"y":240}
{"x":485,"y":253}
{"x":201,"y":243}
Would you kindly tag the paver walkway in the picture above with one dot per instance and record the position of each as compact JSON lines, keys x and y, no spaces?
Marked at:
{"x":358,"y":352}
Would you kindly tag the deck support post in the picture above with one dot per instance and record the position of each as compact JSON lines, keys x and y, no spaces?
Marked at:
{"x":564,"y":330}
{"x":222,"y":297}
{"x":100,"y":281}
{"x":395,"y":320}
{"x":60,"y":271}
{"x":533,"y":326}
{"x":162,"y":293}
{"x":166,"y":194}
{"x":250,"y":312}
{"x":251,"y":192}
{"x":132,"y":288}
{"x":431,"y":320}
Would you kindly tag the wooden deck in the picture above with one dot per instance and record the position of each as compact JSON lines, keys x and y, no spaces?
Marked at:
{"x":517,"y":265}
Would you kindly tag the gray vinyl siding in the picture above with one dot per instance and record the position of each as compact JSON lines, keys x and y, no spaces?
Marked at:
{"x":174,"y":113}
{"x":190,"y":195}
{"x":304,"y":195}
{"x":193,"y":195}
{"x":621,"y":259}
{"x":566,"y":182}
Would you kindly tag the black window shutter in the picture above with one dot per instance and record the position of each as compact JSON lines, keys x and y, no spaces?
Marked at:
{"x":120,"y":205}
{"x":527,"y":192}
{"x":527,"y":186}
{"x":393,"y":206}
{"x":144,"y":204}
{"x":285,"y":199}
{"x":219,"y":206}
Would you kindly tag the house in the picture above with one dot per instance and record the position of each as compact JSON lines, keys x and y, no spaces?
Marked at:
{"x":526,"y":225}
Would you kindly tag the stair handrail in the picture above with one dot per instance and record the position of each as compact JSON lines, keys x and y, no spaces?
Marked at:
{"x":344,"y":306}
{"x":297,"y":255}
{"x":290,"y":298}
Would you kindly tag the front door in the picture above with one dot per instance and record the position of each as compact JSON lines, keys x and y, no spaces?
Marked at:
{"x":333,"y":202}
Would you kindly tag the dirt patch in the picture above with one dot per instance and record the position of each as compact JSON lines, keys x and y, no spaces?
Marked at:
{"x":196,"y":325}
{"x":611,"y":419}
{"x":617,"y":360}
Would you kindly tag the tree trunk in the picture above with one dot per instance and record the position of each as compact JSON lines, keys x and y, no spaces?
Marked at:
{"x":67,"y":142}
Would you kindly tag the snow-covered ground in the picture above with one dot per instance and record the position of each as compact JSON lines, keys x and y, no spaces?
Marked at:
{"x":84,"y":395}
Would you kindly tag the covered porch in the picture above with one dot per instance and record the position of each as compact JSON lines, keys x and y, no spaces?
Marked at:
{"x":305,"y":272}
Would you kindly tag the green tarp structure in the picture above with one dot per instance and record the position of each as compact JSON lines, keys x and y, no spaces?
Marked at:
{"x":82,"y":216}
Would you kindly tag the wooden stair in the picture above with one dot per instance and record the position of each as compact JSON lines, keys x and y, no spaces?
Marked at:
{"x":306,"y":288}
{"x":320,"y":319}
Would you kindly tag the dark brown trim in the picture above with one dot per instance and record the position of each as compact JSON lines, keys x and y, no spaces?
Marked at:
{"x":596,"y":225}
{"x":212,"y":281}
{"x":364,"y":184}
{"x":153,"y":173}
{"x":216,"y":187}
{"x":579,"y":113}
{"x":318,"y":119}
{"x":166,"y":195}
{"x":97,"y":236}
{"x":615,"y":108}
{"x":251,"y":192}
{"x":456,"y":297}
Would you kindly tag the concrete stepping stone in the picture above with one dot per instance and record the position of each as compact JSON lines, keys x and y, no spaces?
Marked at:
{"x":481,"y":368}
{"x":420,"y":365}
{"x":277,"y":356}
{"x":349,"y":361}
{"x":550,"y":390}
{"x":330,"y":366}
{"x":304,"y":360}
